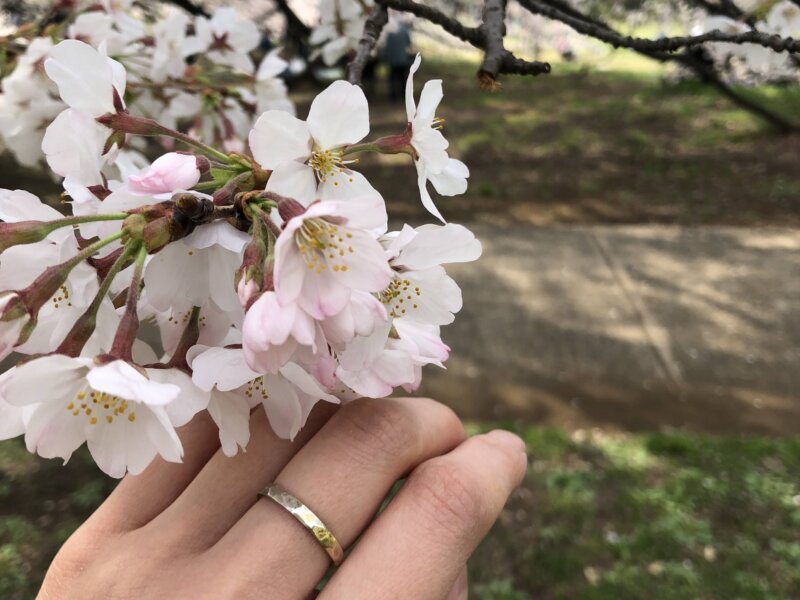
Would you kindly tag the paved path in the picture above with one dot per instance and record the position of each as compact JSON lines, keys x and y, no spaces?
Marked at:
{"x":630,"y":327}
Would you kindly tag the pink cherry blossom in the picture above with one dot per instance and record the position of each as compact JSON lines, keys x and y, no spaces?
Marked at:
{"x":328,"y":252}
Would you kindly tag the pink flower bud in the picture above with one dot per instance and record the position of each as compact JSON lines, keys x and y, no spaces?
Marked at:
{"x":169,"y":173}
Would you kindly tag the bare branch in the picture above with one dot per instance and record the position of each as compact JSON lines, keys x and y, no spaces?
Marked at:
{"x":372,"y":31}
{"x":493,"y":30}
{"x":498,"y":60}
{"x":450,"y":25}
{"x":667,"y":44}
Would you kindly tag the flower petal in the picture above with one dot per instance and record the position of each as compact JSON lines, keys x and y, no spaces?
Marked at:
{"x":279,"y":137}
{"x":339,"y":115}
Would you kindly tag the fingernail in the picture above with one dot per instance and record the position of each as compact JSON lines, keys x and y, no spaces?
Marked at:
{"x":507,"y":438}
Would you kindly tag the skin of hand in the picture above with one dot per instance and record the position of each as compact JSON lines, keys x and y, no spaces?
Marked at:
{"x":199,"y":529}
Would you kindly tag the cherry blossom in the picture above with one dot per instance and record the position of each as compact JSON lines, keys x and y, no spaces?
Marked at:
{"x":307,"y":157}
{"x":327,"y":252}
{"x":225,"y":39}
{"x":87,"y":79}
{"x":448,"y":175}
{"x":113,"y":407}
{"x":197,"y":269}
{"x":287,"y":396}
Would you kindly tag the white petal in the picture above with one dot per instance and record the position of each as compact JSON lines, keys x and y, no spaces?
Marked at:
{"x":339,"y":115}
{"x":427,"y":201}
{"x":224,"y":368}
{"x":279,"y":137}
{"x":295,"y":180}
{"x":44,"y":379}
{"x":231,"y":413}
{"x":436,"y":245}
{"x":452,"y":180}
{"x":429,"y":100}
{"x":118,"y":378}
{"x":411,"y":108}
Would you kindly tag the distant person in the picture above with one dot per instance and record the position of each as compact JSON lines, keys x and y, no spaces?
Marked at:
{"x":397,"y":56}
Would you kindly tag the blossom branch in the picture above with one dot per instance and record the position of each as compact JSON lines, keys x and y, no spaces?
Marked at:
{"x":493,"y":30}
{"x":372,"y":31}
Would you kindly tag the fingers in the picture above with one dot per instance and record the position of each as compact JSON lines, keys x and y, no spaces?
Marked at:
{"x":460,"y":589}
{"x":419,"y":544}
{"x":228,"y":486}
{"x":140,"y":498}
{"x":342,"y":475}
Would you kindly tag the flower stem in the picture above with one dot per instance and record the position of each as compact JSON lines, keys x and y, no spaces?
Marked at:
{"x":47,"y":284}
{"x":122,"y":347}
{"x":127,"y":123}
{"x":189,"y":337}
{"x":82,"y":330}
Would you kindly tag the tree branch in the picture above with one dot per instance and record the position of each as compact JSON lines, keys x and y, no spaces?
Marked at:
{"x":667,"y":44}
{"x":191,"y":7}
{"x":691,"y":59}
{"x":493,"y":30}
{"x":372,"y":31}
{"x":498,"y":58}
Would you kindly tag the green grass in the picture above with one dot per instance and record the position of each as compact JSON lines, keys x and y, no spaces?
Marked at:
{"x":669,"y":515}
{"x":666,"y":515}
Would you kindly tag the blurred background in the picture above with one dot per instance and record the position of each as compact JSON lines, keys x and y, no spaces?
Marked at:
{"x":635,"y":316}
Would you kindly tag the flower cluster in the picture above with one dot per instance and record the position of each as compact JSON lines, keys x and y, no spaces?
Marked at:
{"x":754,"y":62}
{"x":340,"y":28}
{"x":269,"y":273}
{"x":196,"y":75}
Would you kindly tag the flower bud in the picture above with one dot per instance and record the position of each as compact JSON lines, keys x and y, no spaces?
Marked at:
{"x":168,"y":173}
{"x":289,"y":209}
{"x":23,"y":232}
{"x":16,"y":323}
{"x":255,"y":269}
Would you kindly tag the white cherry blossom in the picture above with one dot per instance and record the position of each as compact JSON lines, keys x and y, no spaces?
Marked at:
{"x":448,"y":175}
{"x":287,"y":396}
{"x":306,"y":157}
{"x":197,"y":269}
{"x":113,"y":407}
{"x":87,"y":79}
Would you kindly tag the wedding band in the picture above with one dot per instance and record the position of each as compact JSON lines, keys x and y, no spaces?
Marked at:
{"x":309,"y":520}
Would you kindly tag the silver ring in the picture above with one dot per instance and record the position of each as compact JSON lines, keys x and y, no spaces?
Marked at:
{"x":308,"y":519}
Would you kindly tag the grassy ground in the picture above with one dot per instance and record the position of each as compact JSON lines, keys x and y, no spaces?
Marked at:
{"x":598,"y":517}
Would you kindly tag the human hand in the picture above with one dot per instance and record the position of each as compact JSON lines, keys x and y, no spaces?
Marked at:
{"x":200,"y":530}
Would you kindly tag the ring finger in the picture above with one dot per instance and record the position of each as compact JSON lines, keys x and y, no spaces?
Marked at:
{"x":342,"y":474}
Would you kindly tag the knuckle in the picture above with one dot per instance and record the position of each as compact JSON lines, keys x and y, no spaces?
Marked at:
{"x":448,"y":497}
{"x":377,"y":431}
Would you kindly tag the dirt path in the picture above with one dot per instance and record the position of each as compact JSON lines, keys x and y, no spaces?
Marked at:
{"x":629,"y":327}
